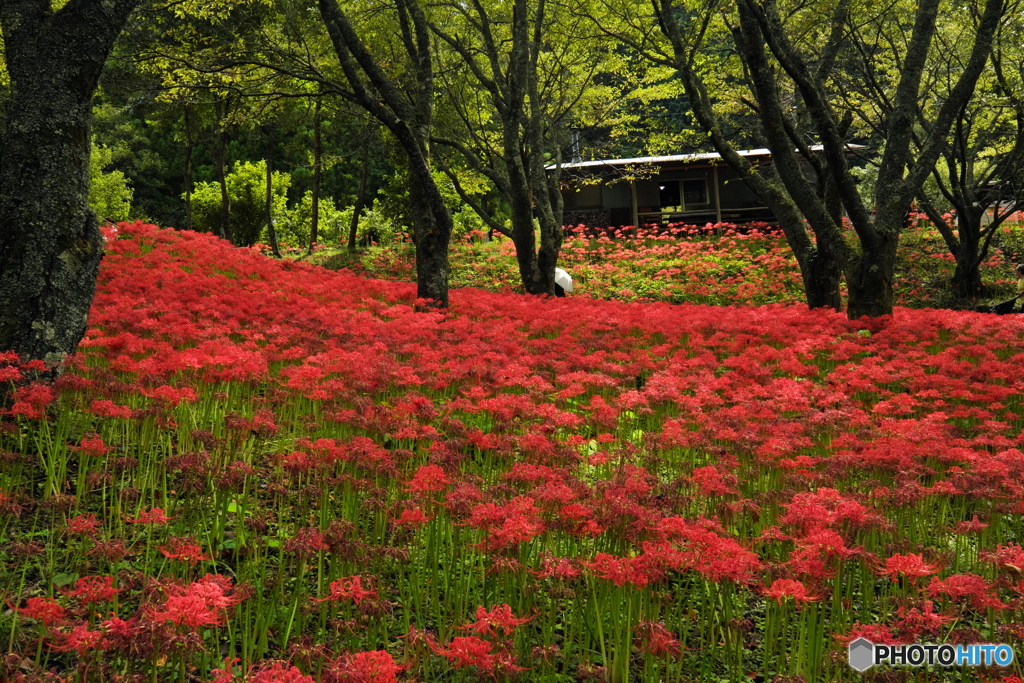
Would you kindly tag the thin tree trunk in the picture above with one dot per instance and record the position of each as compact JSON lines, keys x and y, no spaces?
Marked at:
{"x":219,"y":157}
{"x":411,"y":123}
{"x":364,"y":168}
{"x":317,"y":155}
{"x":190,"y":144}
{"x":271,"y":230}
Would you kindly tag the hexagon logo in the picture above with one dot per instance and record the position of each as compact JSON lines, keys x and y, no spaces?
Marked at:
{"x":862,"y":654}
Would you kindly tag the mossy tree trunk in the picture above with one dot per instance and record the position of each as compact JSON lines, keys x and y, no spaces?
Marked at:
{"x":50,"y":244}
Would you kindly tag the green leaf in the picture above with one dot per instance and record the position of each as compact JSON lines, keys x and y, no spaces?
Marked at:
{"x":61,"y":580}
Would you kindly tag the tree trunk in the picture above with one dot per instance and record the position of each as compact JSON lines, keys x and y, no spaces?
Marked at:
{"x":271,"y":230}
{"x":966,"y":280}
{"x":523,"y":230}
{"x":50,"y":244}
{"x":871,"y":278}
{"x":220,"y":160}
{"x":314,"y":223}
{"x":187,"y":173}
{"x":433,"y":229}
{"x":820,"y":264}
{"x":364,"y":168}
{"x":410,"y":120}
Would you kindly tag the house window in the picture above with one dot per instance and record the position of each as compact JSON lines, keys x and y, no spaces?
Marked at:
{"x":695,"y":193}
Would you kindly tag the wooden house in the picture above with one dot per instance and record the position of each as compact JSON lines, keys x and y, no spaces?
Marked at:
{"x":683,"y":188}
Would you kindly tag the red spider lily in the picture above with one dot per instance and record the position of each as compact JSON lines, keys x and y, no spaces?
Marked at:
{"x":1006,"y":556}
{"x":375,"y":666}
{"x":564,"y":568}
{"x":692,"y":545}
{"x":499,"y":616}
{"x":825,"y":507}
{"x":279,"y":672}
{"x":349,"y":588}
{"x":171,"y":396}
{"x":90,"y":589}
{"x":119,"y":629}
{"x":31,"y":401}
{"x":913,"y":621}
{"x":782,"y":589}
{"x":217,"y":590}
{"x":589,"y":528}
{"x":184,"y":549}
{"x":508,"y":525}
{"x":45,"y":610}
{"x":154,"y":516}
{"x":92,"y":445}
{"x":876,"y":633}
{"x":474,"y":651}
{"x":912,"y":566}
{"x":306,"y":541}
{"x":960,"y":586}
{"x":80,"y":639}
{"x":622,"y":570}
{"x":653,"y":638}
{"x":187,"y":610}
{"x":428,"y":479}
{"x":575,"y":511}
{"x":85,"y":525}
{"x":9,"y":374}
{"x":729,"y":378}
{"x":413,"y":517}
{"x":198,"y":604}
{"x":710,"y":482}
{"x":226,"y":674}
{"x":112,"y":551}
{"x":972,"y":527}
{"x":9,"y":505}
{"x":107,"y":408}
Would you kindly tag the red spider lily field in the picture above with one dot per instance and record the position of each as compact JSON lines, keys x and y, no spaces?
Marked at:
{"x":269,"y":472}
{"x":719,"y":264}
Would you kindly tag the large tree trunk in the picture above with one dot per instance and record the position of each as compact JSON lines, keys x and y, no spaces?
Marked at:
{"x":871,"y":278}
{"x":966,"y":280}
{"x":50,"y":244}
{"x":433,"y":229}
{"x":820,"y":264}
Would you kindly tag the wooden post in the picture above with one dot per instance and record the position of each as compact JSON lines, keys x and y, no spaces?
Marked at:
{"x":633,"y":204}
{"x":718,"y":201}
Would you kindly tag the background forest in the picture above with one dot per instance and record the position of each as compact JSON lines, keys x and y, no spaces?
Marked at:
{"x":176,"y":117}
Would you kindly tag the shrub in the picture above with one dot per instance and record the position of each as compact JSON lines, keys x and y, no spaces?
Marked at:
{"x":247,"y":193}
{"x":110,"y":195}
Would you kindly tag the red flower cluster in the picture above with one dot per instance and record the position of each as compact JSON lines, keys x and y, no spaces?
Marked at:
{"x":349,"y":588}
{"x":201,"y":603}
